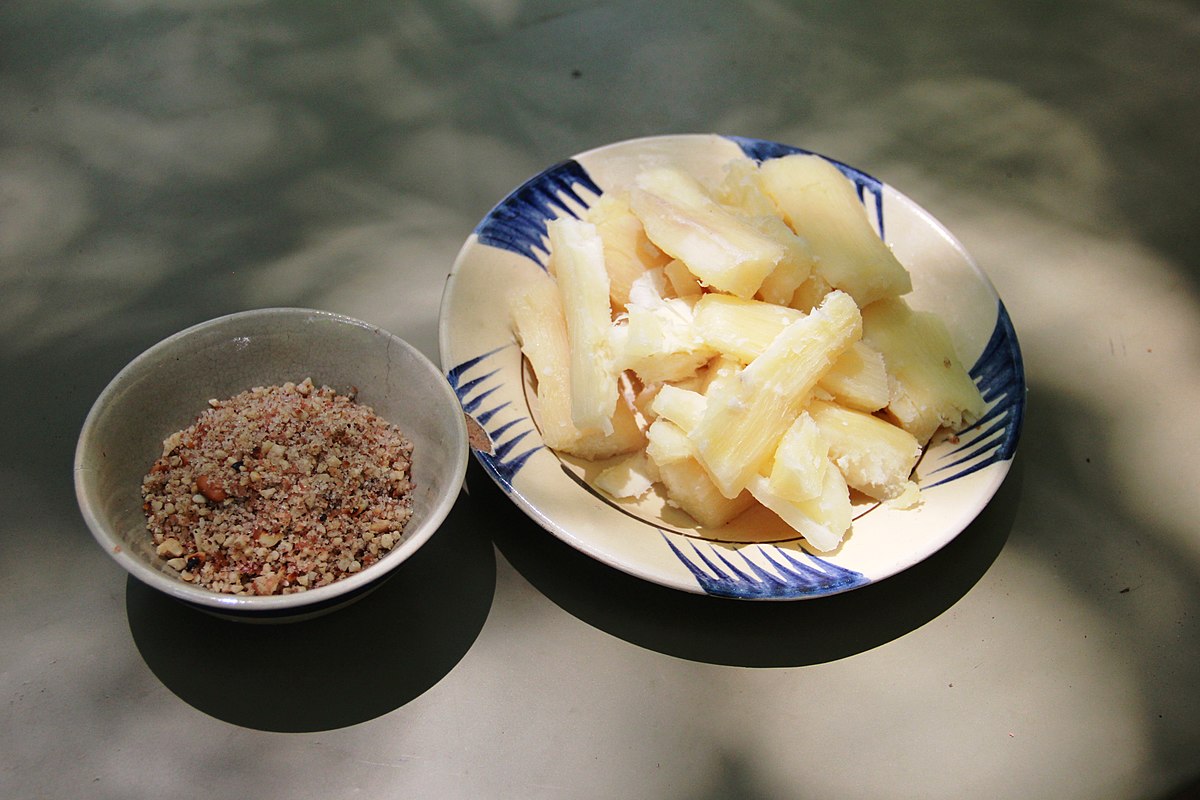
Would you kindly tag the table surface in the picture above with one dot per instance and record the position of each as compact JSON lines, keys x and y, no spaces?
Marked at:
{"x":164,"y":162}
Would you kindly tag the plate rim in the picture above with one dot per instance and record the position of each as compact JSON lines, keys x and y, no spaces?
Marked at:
{"x":688,"y":581}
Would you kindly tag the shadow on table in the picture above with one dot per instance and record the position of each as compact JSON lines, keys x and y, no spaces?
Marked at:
{"x":1189,"y":790}
{"x":348,"y":666}
{"x":744,"y":633}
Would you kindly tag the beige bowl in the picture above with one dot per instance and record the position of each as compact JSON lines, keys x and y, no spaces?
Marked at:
{"x":166,"y":387}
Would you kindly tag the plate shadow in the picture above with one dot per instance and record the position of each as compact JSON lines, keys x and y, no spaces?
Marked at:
{"x":348,"y":666}
{"x":749,"y":633}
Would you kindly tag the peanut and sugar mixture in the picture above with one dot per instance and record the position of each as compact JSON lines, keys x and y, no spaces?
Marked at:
{"x":278,"y":490}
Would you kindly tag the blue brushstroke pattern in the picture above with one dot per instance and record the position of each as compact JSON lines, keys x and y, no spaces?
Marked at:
{"x":761,"y":150}
{"x":474,"y":393}
{"x":790,"y":576}
{"x":518,"y":222}
{"x":1000,"y":375}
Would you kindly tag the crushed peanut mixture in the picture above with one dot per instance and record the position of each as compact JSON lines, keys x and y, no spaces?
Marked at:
{"x":278,"y":490}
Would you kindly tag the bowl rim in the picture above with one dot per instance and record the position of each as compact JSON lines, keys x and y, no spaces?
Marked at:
{"x":106,"y":537}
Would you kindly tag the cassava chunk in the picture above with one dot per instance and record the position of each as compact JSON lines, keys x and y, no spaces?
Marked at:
{"x":541,"y":329}
{"x":875,"y":456}
{"x":798,"y":470}
{"x":719,"y":248}
{"x":628,"y":253}
{"x":631,"y":477}
{"x":809,"y":294}
{"x":666,"y":443}
{"x":928,"y":386}
{"x":742,"y":329}
{"x":823,"y":520}
{"x":741,"y":191}
{"x":658,"y":340}
{"x":683,"y":407}
{"x":747,"y":414}
{"x":739,"y":328}
{"x":821,"y":205}
{"x":688,"y":485}
{"x":683,"y":283}
{"x":792,"y":270}
{"x":740,"y":187}
{"x":858,"y":379}
{"x":578,"y":254}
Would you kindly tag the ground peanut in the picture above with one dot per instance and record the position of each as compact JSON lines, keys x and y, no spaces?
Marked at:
{"x":279,"y":490}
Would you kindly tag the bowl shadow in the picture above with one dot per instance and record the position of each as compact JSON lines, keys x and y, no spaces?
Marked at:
{"x":750,"y":633}
{"x":348,"y":666}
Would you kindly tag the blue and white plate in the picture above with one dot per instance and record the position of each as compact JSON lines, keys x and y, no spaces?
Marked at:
{"x":755,"y":556}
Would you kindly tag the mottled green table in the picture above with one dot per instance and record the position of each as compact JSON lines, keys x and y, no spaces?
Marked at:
{"x":163,"y":162}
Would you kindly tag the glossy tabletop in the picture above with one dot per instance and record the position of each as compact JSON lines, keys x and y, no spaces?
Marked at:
{"x":166,"y":162}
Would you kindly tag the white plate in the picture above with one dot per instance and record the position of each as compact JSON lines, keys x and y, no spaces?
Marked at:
{"x":755,"y":556}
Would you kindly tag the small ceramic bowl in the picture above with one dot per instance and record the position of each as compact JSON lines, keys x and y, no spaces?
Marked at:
{"x":165,"y":388}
